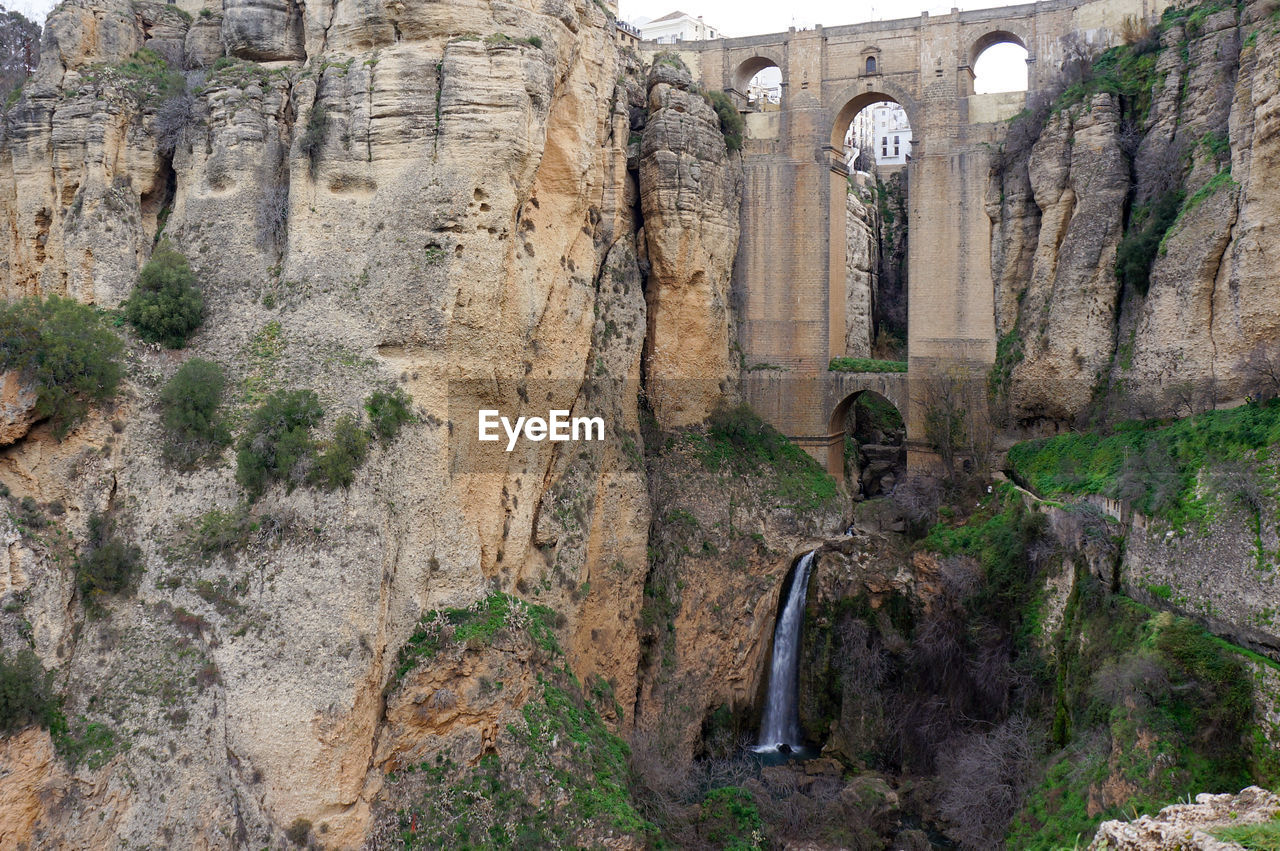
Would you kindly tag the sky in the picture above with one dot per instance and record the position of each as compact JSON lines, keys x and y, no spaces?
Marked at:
{"x":34,"y":10}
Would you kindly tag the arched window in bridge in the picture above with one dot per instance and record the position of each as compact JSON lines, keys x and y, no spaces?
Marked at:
{"x":871,"y":65}
{"x":1001,"y":66}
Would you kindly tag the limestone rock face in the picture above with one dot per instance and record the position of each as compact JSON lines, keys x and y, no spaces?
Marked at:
{"x":690,"y":191}
{"x":1189,"y":826}
{"x":439,"y":194}
{"x":17,"y":407}
{"x":862,"y":267}
{"x":33,"y":780}
{"x":1073,"y":334}
{"x":1079,"y":179}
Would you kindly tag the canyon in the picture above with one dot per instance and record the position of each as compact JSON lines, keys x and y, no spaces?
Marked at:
{"x":506,"y":207}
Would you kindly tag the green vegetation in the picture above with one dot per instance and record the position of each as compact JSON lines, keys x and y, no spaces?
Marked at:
{"x":1155,"y":464}
{"x":189,"y":412}
{"x":1127,"y":71}
{"x":148,"y":77}
{"x":732,"y":124}
{"x":217,"y":532}
{"x":276,"y":439}
{"x":670,"y":57}
{"x":731,"y":819}
{"x":388,"y":411}
{"x":737,"y":442}
{"x":1148,"y":703}
{"x":339,"y":457}
{"x":1253,"y":837}
{"x":866,"y":365}
{"x":1137,"y":250}
{"x":562,"y":741}
{"x":1008,"y":355}
{"x":475,"y":626}
{"x":1221,"y":180}
{"x":107,"y":566}
{"x":65,"y":352}
{"x":311,"y":144}
{"x":26,"y":693}
{"x":166,"y":306}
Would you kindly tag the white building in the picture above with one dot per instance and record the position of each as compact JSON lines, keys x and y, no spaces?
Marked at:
{"x":880,"y":134}
{"x":676,"y":27}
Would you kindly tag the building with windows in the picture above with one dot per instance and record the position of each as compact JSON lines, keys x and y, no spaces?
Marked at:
{"x":676,"y":27}
{"x":880,"y":135}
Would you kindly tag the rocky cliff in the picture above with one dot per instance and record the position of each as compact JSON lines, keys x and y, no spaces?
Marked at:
{"x":447,"y":199}
{"x":1127,"y":212}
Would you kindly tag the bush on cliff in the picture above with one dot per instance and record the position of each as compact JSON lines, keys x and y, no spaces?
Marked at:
{"x":339,"y":458}
{"x":277,"y":441}
{"x":388,"y":411}
{"x":108,"y":565}
{"x":61,"y":348}
{"x":26,"y":694}
{"x":731,"y":121}
{"x":189,"y":406}
{"x":738,"y":442}
{"x":166,"y":306}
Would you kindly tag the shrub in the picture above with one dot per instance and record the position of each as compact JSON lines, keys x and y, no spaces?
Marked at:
{"x":387,"y":412}
{"x":173,"y":118}
{"x":731,"y":121}
{"x":217,"y":532}
{"x":189,"y":412}
{"x":166,"y":307}
{"x":26,"y":694}
{"x":62,"y":348}
{"x":336,"y":465}
{"x":312,"y":141}
{"x":866,"y":365}
{"x":108,"y":565}
{"x":299,"y":833}
{"x":277,"y":440}
{"x":1137,"y":250}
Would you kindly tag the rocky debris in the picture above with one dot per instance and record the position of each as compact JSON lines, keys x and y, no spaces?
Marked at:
{"x":1189,"y":827}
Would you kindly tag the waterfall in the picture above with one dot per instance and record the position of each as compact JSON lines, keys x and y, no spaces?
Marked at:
{"x":781,"y":724}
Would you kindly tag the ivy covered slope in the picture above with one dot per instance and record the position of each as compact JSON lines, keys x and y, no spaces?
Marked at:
{"x":1200,"y":498}
{"x":1152,"y":164}
{"x":549,"y":773}
{"x":1093,"y":705}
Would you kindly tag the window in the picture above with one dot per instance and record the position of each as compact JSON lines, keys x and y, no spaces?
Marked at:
{"x":871,"y":64}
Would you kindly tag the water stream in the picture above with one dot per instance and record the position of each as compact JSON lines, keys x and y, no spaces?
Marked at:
{"x":780,"y":728}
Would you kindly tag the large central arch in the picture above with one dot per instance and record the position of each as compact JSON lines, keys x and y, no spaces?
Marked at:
{"x":852,"y":100}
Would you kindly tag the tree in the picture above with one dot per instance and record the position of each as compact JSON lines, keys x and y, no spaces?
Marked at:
{"x":19,"y":52}
{"x":166,"y":306}
{"x":1260,"y":369}
{"x":189,"y":412}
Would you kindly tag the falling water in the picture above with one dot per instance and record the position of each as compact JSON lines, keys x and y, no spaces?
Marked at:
{"x":781,"y":723}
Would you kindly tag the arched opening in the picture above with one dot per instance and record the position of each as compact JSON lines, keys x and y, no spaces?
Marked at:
{"x":759,"y":80}
{"x":871,"y":65}
{"x":875,"y":135}
{"x":873,"y":454}
{"x":999,"y":64}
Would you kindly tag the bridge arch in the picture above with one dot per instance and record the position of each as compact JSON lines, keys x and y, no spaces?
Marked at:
{"x":846,"y":105}
{"x":991,"y":39}
{"x":747,"y":69}
{"x":843,"y":390}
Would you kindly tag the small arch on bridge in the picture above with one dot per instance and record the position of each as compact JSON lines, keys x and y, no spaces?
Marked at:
{"x":878,"y":424}
{"x":766,"y":75}
{"x":857,"y":98}
{"x":998,"y":63}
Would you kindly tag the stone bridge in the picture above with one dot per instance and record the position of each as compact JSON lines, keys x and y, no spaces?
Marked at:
{"x":789,"y":277}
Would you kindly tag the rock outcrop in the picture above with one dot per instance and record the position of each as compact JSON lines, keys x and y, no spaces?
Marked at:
{"x":1097,"y":170}
{"x":1191,"y":827}
{"x":690,"y":191}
